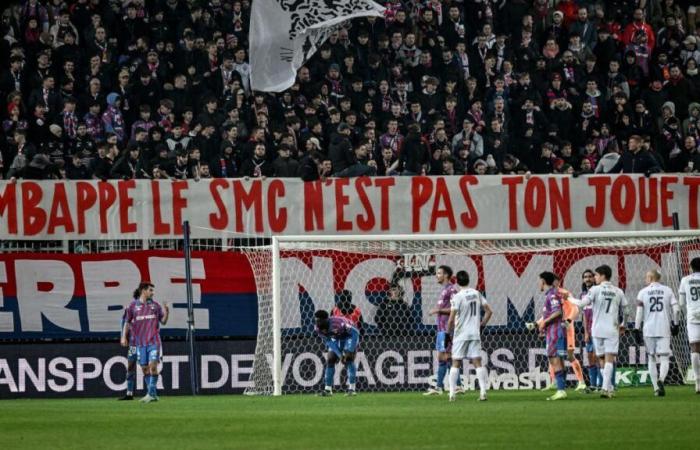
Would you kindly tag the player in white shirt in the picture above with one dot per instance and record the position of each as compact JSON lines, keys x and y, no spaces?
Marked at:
{"x":609,"y":302}
{"x":689,"y":296}
{"x":465,"y":323}
{"x":655,"y":304}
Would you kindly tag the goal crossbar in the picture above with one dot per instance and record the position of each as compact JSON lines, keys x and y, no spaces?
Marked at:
{"x":490,"y":236}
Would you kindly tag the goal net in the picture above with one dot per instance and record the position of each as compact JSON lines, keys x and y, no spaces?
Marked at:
{"x":393,"y":284}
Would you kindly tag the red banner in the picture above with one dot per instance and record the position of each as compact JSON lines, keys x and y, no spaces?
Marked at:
{"x":83,"y":296}
{"x":417,"y":205}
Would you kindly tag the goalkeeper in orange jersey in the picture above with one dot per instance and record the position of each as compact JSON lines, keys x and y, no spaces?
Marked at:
{"x":570,"y":313}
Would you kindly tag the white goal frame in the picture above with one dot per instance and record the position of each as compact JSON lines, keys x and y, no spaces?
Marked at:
{"x":276,"y":275}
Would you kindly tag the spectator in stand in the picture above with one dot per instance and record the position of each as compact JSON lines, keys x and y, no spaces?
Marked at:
{"x":181,"y":68}
{"x":635,"y":159}
{"x":393,"y":316}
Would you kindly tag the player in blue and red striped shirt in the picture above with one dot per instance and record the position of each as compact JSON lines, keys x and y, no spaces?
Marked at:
{"x":143,"y":320}
{"x":130,"y":357}
{"x":443,"y":345}
{"x":555,"y":335}
{"x":594,"y":373}
{"x":341,"y":337}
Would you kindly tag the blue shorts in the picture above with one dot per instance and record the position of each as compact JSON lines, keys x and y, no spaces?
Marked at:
{"x":148,"y":353}
{"x":589,"y":346}
{"x":443,"y":342}
{"x":347,"y":345}
{"x":131,"y":354}
{"x":556,"y":343}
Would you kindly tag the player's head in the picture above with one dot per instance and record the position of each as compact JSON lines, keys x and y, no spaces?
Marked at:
{"x":653,"y":276}
{"x":463,"y":278}
{"x":603,"y":273}
{"x":546,"y":280}
{"x":145,"y":290}
{"x":588,"y":278}
{"x":695,"y":264}
{"x":557,"y":281}
{"x":396,"y":292}
{"x":322,"y":320}
{"x":443,"y":274}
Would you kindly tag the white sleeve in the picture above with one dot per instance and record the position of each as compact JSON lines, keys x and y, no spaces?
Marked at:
{"x":674,"y":301}
{"x":483,"y":300}
{"x":623,"y":298}
{"x":681,"y":292}
{"x":639,"y":317}
{"x":675,"y":309}
{"x":585,"y":301}
{"x":454,"y":306}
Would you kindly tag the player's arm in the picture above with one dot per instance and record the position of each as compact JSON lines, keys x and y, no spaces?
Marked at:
{"x":640,"y":312}
{"x":624,"y":310}
{"x":681,"y":293}
{"x":125,"y":335}
{"x":488,"y":312}
{"x":128,"y":317}
{"x":586,"y":336}
{"x":551,"y":318}
{"x":165,"y":313}
{"x":585,"y":301}
{"x":451,"y":321}
{"x":441,"y":311}
{"x":675,"y":315}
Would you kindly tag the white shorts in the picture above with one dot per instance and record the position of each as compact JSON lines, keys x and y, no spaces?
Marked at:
{"x":466,"y":350}
{"x":606,"y":345}
{"x":658,"y":346}
{"x":694,"y":333}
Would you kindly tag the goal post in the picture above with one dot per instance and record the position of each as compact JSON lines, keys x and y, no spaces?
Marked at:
{"x":295,"y":275}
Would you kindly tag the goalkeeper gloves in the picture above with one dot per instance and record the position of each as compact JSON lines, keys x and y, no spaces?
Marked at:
{"x":675,"y":329}
{"x":530,"y":326}
{"x":638,"y":336}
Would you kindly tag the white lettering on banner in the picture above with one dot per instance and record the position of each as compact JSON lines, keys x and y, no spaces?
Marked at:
{"x":174,"y":361}
{"x":108,"y":284}
{"x":6,"y":319}
{"x":60,"y":374}
{"x":107,"y":373}
{"x":396,"y":370}
{"x":6,"y":377}
{"x":316,"y":280}
{"x":389,"y":368}
{"x":142,"y":209}
{"x":360,"y":276}
{"x":502,"y":283}
{"x":364,"y":369}
{"x":223,"y":369}
{"x":82,"y":374}
{"x":240,"y":375}
{"x":170,"y":276}
{"x":44,"y":289}
{"x":415,"y":366}
{"x":317,"y":372}
{"x":37,"y":378}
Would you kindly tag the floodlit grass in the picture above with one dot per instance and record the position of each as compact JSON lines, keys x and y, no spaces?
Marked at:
{"x":512,"y":420}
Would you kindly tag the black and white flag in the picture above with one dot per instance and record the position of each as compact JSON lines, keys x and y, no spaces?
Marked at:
{"x":284,"y":34}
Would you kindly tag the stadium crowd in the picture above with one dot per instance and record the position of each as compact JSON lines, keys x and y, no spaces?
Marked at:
{"x":158,"y":89}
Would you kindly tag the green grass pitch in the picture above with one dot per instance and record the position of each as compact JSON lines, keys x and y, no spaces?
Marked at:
{"x":509,"y":420}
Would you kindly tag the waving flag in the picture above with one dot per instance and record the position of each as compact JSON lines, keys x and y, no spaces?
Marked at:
{"x":284,"y":34}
